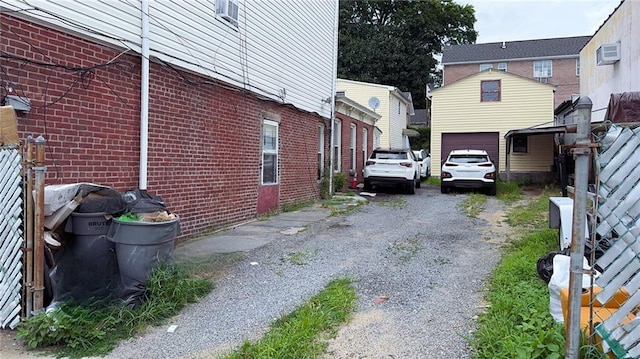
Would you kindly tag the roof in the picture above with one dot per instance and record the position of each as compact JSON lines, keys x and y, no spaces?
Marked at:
{"x":420,"y":117}
{"x":468,"y":152}
{"x":514,"y":50}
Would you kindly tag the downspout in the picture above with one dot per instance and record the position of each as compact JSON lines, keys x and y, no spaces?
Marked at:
{"x":144,"y":96}
{"x":333,"y":94}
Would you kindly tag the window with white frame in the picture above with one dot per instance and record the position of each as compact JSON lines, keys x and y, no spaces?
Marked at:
{"x":542,"y":69}
{"x":228,"y":11}
{"x":365,"y":135}
{"x":578,"y":66}
{"x":520,"y":144}
{"x":352,"y":148}
{"x":269,"y":152}
{"x":320,"y":151}
{"x":337,"y":138}
{"x":502,"y":66}
{"x":484,"y":67}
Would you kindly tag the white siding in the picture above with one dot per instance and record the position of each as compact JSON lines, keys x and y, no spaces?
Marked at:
{"x":282,"y":50}
{"x":390,"y":123}
{"x":599,"y":82}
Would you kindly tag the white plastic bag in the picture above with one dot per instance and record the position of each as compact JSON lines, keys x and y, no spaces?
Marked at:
{"x":560,"y":279}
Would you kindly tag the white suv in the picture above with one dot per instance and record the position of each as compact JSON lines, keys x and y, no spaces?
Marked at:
{"x":392,"y":166}
{"x":468,"y":169}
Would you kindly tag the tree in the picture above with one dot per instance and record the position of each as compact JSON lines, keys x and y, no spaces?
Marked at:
{"x":392,"y":42}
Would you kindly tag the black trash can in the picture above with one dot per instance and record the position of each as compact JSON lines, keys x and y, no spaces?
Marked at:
{"x":140,"y":247}
{"x":86,"y":267}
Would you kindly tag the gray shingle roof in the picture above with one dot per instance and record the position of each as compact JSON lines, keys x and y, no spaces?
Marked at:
{"x":527,"y":49}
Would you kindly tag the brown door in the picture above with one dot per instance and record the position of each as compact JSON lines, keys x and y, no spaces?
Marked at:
{"x":488,"y":141}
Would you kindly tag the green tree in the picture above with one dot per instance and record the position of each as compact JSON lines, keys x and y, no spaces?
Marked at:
{"x":392,"y":42}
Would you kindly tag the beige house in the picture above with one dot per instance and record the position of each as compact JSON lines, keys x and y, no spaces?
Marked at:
{"x":476,"y":112}
{"x":393,"y":106}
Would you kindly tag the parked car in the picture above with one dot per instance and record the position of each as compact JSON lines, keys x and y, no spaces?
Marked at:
{"x":425,"y":163}
{"x":468,"y":169}
{"x":392,"y":167}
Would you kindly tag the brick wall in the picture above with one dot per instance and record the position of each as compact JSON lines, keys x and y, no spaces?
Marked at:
{"x":564,"y":75}
{"x":204,"y":140}
{"x":345,"y":162}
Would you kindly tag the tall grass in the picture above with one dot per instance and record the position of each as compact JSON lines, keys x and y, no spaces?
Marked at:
{"x":302,"y":333}
{"x":76,"y":331}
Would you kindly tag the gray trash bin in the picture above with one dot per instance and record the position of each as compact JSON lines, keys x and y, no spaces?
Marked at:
{"x":86,"y":268}
{"x":140,"y":247}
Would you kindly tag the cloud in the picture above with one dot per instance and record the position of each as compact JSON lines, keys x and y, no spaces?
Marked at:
{"x":503,"y":20}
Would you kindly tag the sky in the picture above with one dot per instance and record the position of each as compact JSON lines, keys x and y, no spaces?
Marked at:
{"x":513,"y":20}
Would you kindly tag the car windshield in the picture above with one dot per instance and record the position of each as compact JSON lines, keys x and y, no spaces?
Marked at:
{"x":468,"y":158}
{"x":389,"y":155}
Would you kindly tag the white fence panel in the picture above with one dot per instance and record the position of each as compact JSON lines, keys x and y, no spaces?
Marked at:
{"x":619,"y":215}
{"x":11,"y":237}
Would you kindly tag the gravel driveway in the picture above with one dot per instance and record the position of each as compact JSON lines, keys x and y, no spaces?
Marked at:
{"x":419,"y":251}
{"x":418,"y":263}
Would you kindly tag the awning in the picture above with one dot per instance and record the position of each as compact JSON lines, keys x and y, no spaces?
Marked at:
{"x":540,"y":130}
{"x":409,"y":132}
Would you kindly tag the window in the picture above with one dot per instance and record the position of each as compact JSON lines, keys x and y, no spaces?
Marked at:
{"x":337,"y":128}
{"x":228,"y":11}
{"x":519,"y":144}
{"x":484,"y":67}
{"x":578,"y":67}
{"x":502,"y":66}
{"x":352,"y":148}
{"x":269,"y":152}
{"x":490,"y":90}
{"x":542,"y":69}
{"x":320,"y":151}
{"x":365,"y":135}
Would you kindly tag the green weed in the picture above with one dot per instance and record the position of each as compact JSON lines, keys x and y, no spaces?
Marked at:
{"x":473,"y":205}
{"x":75,"y":331}
{"x":303,"y":332}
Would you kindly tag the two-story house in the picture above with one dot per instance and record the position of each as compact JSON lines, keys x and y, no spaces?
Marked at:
{"x":394,"y":106}
{"x":211,"y":105}
{"x":552,"y":61}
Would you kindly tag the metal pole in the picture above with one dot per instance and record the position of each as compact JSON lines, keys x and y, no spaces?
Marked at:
{"x":581,"y":154}
{"x":28,"y":230}
{"x":38,"y":225}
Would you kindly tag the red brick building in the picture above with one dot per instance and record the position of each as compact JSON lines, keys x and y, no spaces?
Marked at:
{"x":206,"y":138}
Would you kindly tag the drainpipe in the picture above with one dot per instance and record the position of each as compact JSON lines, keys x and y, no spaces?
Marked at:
{"x":333,"y":94}
{"x":144,"y":96}
{"x":582,"y":154}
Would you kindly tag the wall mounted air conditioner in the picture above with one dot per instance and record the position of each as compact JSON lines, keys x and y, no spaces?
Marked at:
{"x":228,"y":10}
{"x":608,"y":54}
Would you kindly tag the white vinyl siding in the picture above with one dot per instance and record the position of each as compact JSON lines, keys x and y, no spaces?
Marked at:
{"x":273,"y":52}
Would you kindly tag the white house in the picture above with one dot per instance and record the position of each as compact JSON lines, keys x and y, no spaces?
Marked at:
{"x":393,"y":106}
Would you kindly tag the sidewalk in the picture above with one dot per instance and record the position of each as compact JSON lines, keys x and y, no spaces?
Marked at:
{"x":247,"y":236}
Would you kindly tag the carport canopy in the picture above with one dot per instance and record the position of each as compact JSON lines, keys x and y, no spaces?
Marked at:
{"x":532,"y":131}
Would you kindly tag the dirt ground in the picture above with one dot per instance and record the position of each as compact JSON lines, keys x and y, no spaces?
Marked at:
{"x":497,"y":231}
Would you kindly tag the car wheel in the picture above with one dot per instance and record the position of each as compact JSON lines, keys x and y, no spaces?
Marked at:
{"x":492,"y":190}
{"x":418,"y":183}
{"x":411,"y":187}
{"x":367,"y":185}
{"x":444,"y":189}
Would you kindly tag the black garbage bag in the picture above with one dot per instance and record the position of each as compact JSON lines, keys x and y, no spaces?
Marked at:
{"x":140,"y":201}
{"x":544,"y":266}
{"x":101,"y":200}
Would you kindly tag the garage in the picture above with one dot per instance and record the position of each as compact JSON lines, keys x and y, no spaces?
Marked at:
{"x":488,"y":141}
